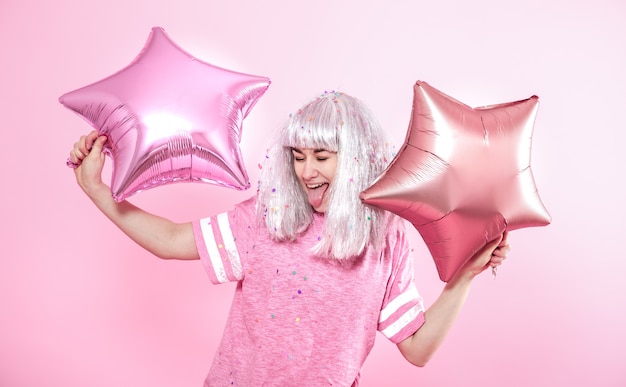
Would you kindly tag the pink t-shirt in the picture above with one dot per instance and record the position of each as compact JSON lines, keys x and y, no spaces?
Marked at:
{"x":297,"y":320}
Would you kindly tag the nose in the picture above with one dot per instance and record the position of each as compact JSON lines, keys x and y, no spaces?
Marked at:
{"x":309,"y":170}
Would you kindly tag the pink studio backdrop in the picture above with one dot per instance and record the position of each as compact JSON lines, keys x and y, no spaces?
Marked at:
{"x":80,"y":305}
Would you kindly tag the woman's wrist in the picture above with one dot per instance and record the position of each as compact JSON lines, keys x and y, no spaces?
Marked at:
{"x":96,"y":191}
{"x":461,"y":278}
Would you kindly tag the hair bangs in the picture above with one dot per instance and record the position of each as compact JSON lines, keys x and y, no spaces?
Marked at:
{"x":315,"y":126}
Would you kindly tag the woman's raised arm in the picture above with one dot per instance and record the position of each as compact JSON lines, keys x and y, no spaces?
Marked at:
{"x":158,"y":235}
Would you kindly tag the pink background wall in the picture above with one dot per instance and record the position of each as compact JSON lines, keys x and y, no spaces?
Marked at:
{"x":80,"y":305}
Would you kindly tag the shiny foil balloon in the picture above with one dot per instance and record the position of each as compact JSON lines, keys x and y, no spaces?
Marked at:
{"x":170,"y":117}
{"x":462,"y":176}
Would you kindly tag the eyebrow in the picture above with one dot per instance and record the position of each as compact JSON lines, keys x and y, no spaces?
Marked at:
{"x":314,"y":151}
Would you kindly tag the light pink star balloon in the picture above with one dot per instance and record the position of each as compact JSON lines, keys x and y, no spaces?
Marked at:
{"x":462,"y":176}
{"x":170,"y":117}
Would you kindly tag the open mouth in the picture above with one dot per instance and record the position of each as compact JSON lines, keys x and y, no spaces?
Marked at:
{"x":315,"y":194}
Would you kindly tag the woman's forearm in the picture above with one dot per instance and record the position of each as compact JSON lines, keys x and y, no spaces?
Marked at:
{"x":439,"y":318}
{"x":158,"y":235}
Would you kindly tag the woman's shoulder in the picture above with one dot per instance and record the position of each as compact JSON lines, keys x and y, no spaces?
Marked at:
{"x":392,"y":237}
{"x":249,"y":203}
{"x":244,"y":210}
{"x":393,"y":223}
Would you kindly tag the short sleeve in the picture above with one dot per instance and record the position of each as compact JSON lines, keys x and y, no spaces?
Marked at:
{"x":223,"y":241}
{"x":402,"y":311}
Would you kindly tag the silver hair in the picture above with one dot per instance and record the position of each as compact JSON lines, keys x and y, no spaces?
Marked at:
{"x":339,"y":123}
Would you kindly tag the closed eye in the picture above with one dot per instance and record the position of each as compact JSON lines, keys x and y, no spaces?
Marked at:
{"x":297,"y":154}
{"x":320,"y":154}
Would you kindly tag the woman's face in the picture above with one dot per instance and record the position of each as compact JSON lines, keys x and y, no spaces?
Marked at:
{"x":315,"y":169}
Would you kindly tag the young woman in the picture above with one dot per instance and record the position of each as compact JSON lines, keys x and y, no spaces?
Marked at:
{"x":318,"y":272}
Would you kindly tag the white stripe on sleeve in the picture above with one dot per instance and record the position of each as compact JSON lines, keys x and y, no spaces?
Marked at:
{"x":402,"y":322}
{"x":229,"y":244}
{"x":402,"y":299}
{"x":214,"y":254}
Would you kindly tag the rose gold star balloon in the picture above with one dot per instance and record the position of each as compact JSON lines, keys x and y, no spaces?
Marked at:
{"x":462,"y":176}
{"x":170,"y":117}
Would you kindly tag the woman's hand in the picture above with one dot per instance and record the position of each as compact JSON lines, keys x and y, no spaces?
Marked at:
{"x":499,"y":254}
{"x":491,"y":255}
{"x":88,"y":159}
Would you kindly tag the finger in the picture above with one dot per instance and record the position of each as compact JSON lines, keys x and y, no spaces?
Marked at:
{"x":97,"y":145}
{"x":496,"y":261}
{"x":91,"y":138}
{"x":81,"y":146}
{"x":492,"y":245}
{"x":85,"y":143}
{"x":71,"y":164}
{"x":502,"y":251}
{"x":497,"y":252}
{"x":76,"y":156}
{"x":494,"y":265}
{"x":505,"y":239}
{"x":72,"y":157}
{"x":73,"y":161}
